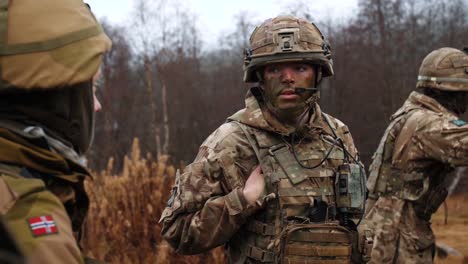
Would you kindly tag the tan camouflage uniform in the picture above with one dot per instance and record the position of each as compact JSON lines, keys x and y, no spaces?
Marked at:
{"x":208,"y":208}
{"x":408,"y":177}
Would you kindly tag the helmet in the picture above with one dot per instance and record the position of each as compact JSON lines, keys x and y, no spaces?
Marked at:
{"x":444,"y":69}
{"x":48,"y":44}
{"x":284,"y":39}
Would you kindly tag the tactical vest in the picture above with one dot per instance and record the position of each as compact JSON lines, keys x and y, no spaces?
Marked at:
{"x":389,"y":178}
{"x":299,"y":223}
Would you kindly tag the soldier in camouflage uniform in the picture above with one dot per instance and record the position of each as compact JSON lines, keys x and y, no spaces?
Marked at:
{"x":266,"y":182}
{"x":49,"y":52}
{"x":408,"y":177}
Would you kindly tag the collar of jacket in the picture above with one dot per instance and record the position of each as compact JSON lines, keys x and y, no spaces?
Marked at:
{"x":256,"y":114}
{"x":16,"y":150}
{"x":427,"y":102}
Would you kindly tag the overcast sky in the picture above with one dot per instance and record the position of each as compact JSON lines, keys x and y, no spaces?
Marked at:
{"x":216,"y":16}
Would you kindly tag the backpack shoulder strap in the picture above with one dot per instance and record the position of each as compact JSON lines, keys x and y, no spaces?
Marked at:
{"x":250,"y":139}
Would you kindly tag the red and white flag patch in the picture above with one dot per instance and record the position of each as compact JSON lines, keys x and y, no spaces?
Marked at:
{"x":42,"y":225}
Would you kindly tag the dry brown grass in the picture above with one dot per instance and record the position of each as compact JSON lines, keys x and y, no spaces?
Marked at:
{"x":122,"y":225}
{"x":455,"y":233}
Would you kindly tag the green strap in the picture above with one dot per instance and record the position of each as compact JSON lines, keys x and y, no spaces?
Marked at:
{"x":314,"y":260}
{"x":375,"y":177}
{"x":3,"y":21}
{"x":41,"y":46}
{"x":299,"y":249}
{"x":260,"y":254}
{"x":379,"y":171}
{"x":261,"y":228}
{"x":320,"y":237}
{"x":250,"y":140}
{"x":295,"y":192}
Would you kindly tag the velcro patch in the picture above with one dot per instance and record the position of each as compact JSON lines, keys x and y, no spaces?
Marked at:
{"x":458,"y":122}
{"x":42,"y":225}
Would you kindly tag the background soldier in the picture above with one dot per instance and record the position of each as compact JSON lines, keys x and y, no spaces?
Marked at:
{"x":264,"y":182}
{"x":423,"y":143}
{"x":49,"y":52}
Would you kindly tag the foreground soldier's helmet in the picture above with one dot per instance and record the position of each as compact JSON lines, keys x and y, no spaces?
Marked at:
{"x":49,"y":43}
{"x":49,"y":53}
{"x":284,"y":39}
{"x":444,"y":69}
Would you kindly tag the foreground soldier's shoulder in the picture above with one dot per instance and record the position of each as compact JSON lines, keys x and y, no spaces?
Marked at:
{"x":338,"y":124}
{"x":440,"y":122}
{"x":226,"y":134}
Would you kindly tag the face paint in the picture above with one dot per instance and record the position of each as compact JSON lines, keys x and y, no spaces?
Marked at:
{"x":279,"y":86}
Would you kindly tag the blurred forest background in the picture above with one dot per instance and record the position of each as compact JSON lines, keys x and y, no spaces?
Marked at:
{"x":164,"y":87}
{"x":160,"y":87}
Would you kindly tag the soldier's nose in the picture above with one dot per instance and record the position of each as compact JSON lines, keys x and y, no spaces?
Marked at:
{"x":287,"y":75}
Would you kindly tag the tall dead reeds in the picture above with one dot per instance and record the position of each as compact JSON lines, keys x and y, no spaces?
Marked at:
{"x":122,"y":224}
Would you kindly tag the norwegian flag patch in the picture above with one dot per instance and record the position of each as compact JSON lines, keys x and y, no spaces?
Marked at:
{"x":42,"y":225}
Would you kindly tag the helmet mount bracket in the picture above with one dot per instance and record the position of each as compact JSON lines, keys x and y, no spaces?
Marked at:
{"x":287,"y":39}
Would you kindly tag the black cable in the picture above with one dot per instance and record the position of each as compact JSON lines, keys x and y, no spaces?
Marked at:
{"x":315,"y":166}
{"x":337,"y":138}
{"x":347,"y":154}
{"x":361,"y":169}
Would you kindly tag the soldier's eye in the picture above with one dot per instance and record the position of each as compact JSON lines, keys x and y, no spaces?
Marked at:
{"x":302,"y":68}
{"x":272,"y":69}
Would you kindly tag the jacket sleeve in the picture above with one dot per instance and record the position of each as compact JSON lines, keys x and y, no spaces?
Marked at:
{"x":207,"y":205}
{"x":444,"y":139}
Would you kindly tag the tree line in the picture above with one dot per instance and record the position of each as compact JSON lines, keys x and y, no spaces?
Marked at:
{"x":159,"y":85}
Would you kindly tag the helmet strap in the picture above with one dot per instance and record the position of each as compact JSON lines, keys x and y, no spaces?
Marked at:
{"x":306,"y":106}
{"x":318,"y":75}
{"x":259,"y":76}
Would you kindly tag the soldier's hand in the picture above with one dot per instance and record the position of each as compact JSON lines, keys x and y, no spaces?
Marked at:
{"x":254,"y":186}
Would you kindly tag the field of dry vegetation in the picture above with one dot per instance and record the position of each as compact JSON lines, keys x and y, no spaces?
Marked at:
{"x":455,"y":232}
{"x":122,"y":224}
{"x":123,"y":227}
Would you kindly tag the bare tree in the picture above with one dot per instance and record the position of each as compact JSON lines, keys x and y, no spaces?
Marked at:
{"x":160,"y":87}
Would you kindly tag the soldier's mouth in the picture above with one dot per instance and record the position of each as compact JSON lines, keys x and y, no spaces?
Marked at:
{"x":288,"y":94}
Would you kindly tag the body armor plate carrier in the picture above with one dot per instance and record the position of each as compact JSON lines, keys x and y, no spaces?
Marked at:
{"x":301,"y":222}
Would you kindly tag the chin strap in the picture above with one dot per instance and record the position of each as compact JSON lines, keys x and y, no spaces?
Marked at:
{"x":306,"y":105}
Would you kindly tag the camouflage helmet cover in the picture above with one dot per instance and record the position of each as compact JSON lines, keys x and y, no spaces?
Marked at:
{"x":284,"y":39}
{"x":444,"y":69}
